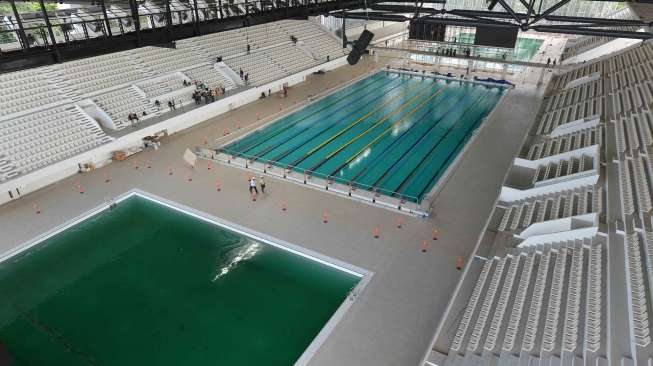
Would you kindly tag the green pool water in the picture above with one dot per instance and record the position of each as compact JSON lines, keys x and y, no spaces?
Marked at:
{"x":144,"y":284}
{"x":389,"y":133}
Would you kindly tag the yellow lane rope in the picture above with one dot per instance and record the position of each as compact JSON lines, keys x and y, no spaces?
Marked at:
{"x":383,"y":120}
{"x":387,"y":130}
{"x":382,"y":105}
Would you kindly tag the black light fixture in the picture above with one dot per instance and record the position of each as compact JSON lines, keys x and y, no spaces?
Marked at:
{"x":492,"y":3}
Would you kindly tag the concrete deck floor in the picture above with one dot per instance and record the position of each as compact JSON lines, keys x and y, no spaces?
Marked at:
{"x":394,"y":318}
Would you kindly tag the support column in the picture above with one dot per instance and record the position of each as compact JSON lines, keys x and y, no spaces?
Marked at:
{"x":344,"y":33}
{"x":21,"y":31}
{"x":137,"y":21}
{"x":169,"y":20}
{"x":106,"y":17}
{"x":197,"y":19}
{"x":51,"y":33}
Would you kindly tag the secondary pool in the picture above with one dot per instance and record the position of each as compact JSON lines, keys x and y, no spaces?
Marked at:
{"x":390,"y":133}
{"x":144,"y":283}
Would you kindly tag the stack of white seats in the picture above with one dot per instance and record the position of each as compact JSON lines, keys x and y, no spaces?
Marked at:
{"x":568,"y":142}
{"x":26,"y":90}
{"x":521,"y":214}
{"x":573,"y":112}
{"x":291,"y":58}
{"x":214,"y":45}
{"x":574,"y":95}
{"x":93,"y":74}
{"x":535,"y":301}
{"x":111,"y":80}
{"x":120,"y":103}
{"x":48,"y":136}
{"x":561,"y":293}
{"x":258,"y":65}
{"x":209,"y":76}
{"x":300,"y":29}
{"x":162,"y":60}
{"x":584,"y":70}
{"x":161,"y":86}
{"x":562,"y":169}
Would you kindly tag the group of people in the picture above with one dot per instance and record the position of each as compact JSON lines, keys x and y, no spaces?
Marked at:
{"x":548,"y":62}
{"x":244,"y":76}
{"x":253,"y":185}
{"x":447,"y":52}
{"x":133,"y":117}
{"x":209,"y":95}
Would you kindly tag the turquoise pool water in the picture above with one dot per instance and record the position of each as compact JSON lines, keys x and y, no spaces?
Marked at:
{"x":390,"y":133}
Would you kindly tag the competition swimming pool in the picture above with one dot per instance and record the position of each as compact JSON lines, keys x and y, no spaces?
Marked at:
{"x":144,"y":282}
{"x":391,"y":133}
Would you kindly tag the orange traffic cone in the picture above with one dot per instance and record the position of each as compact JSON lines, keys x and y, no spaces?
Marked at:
{"x":459,"y":263}
{"x":325,"y":217}
{"x":376,"y":232}
{"x":218,"y":186}
{"x":436,"y":234}
{"x":36,"y":208}
{"x":284,"y":206}
{"x":399,"y":222}
{"x":425,"y":246}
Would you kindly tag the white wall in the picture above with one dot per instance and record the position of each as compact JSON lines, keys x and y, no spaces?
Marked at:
{"x":101,"y":155}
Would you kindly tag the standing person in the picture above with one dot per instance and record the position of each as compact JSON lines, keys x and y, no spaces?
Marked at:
{"x":252,"y":185}
{"x":548,"y":62}
{"x":248,"y":48}
{"x":241,"y":73}
{"x":262,"y":183}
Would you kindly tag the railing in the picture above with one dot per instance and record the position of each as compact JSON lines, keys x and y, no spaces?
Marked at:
{"x":422,"y":204}
{"x":91,"y":22}
{"x":330,"y":179}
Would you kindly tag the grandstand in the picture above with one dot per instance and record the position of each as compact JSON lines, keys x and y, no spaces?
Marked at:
{"x":233,"y":182}
{"x":131,"y":81}
{"x":575,"y":292}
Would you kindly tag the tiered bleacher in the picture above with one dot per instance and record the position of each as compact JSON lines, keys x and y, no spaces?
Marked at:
{"x":120,"y":102}
{"x":41,"y":119}
{"x":208,"y":75}
{"x":25,"y":90}
{"x":42,"y":138}
{"x":272,"y":52}
{"x":555,"y":258}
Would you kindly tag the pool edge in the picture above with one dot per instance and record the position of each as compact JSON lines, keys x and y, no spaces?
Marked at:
{"x":363,"y":274}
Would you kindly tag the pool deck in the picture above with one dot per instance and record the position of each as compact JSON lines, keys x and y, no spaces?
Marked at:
{"x":394,"y":318}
